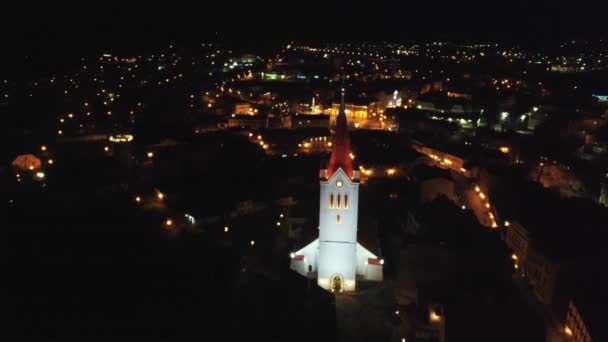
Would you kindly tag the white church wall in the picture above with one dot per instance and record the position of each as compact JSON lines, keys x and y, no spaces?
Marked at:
{"x":344,"y":228}
{"x":337,"y":258}
{"x":310,"y":253}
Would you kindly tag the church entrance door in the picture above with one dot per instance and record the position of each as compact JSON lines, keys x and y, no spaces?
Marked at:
{"x":336,"y":283}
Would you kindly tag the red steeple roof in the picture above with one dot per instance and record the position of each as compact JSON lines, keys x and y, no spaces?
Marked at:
{"x":341,"y":152}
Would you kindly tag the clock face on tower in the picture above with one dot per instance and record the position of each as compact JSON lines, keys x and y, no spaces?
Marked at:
{"x":339,"y":184}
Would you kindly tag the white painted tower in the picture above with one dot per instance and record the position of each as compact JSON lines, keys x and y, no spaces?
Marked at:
{"x":336,"y":259}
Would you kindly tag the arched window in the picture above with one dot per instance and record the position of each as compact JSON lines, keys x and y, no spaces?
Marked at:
{"x":345,"y":201}
{"x":338,"y":202}
{"x":338,"y":219}
{"x":331,"y":201}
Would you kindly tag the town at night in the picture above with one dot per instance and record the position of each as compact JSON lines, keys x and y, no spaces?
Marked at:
{"x":391,"y":172}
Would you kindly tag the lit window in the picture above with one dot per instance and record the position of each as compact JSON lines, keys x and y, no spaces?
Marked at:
{"x":345,"y":201}
{"x":338,"y":201}
{"x":331,"y":201}
{"x":338,"y":219}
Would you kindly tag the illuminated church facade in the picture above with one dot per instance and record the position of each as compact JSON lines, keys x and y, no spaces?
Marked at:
{"x":335,"y":258}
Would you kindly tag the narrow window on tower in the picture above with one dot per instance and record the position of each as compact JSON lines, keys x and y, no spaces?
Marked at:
{"x":338,"y":202}
{"x":345,"y":201}
{"x":338,"y":219}
{"x":331,"y":201}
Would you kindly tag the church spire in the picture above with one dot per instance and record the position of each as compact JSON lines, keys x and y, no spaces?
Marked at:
{"x":341,"y":152}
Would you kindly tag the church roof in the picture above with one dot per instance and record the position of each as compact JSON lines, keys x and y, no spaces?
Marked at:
{"x":341,"y":151}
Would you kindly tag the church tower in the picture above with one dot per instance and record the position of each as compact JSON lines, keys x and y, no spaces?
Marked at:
{"x":335,"y":258}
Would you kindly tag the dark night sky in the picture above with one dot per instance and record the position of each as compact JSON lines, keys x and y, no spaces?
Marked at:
{"x":68,"y":28}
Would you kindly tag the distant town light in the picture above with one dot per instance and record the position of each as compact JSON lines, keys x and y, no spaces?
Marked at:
{"x":137,"y":199}
{"x":50,"y":161}
{"x":226,"y":229}
{"x":40,"y":175}
{"x":106,"y":148}
{"x":504,"y":149}
{"x":252,"y":242}
{"x":514,"y":256}
{"x":278,"y":223}
{"x":150,"y":154}
{"x":120,"y":138}
{"x":477,"y":189}
{"x":43,"y":148}
{"x":434,"y":317}
{"x":169,"y":222}
{"x":567,"y":330}
{"x":507,"y":223}
{"x":160,"y":195}
{"x":292,"y":255}
{"x":482,"y":195}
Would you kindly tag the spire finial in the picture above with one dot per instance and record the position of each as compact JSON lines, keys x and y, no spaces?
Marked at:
{"x":342,"y":92}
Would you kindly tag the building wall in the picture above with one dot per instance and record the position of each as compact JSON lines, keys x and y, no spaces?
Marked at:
{"x":316,"y":144}
{"x":337,"y":258}
{"x":330,"y":229}
{"x":518,"y":241}
{"x":356,"y":115}
{"x":575,"y":326}
{"x":338,"y":237}
{"x":248,"y":121}
{"x":242,"y":109}
{"x":542,"y":275}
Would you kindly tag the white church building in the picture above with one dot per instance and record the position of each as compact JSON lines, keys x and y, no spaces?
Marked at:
{"x":335,"y":258}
